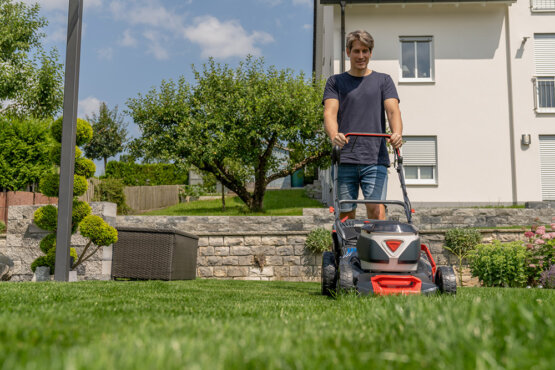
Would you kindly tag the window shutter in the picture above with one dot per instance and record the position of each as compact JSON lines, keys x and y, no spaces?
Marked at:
{"x":544,"y":54}
{"x":547,"y":165}
{"x":419,"y":151}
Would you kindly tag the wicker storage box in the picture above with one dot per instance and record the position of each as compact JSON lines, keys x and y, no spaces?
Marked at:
{"x":154,"y":254}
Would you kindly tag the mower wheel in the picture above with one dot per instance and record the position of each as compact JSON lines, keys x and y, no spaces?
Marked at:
{"x":446,"y":280}
{"x":346,"y":282}
{"x":329,"y":274}
{"x":425,"y":267}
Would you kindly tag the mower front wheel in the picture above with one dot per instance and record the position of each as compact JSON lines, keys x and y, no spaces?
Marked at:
{"x":446,"y":280}
{"x":329,"y":274}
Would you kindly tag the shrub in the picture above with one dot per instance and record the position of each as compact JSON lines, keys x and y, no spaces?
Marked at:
{"x":319,"y":240}
{"x":547,"y":278}
{"x":80,"y":211}
{"x":500,"y":264}
{"x":46,"y":217}
{"x":134,"y":174}
{"x":49,"y":185}
{"x":2,"y":227}
{"x":80,"y":185}
{"x":541,"y":252}
{"x":47,"y":243}
{"x":85,"y":167}
{"x":460,"y":242}
{"x":83,"y":133}
{"x":98,"y":231}
{"x":111,"y":190}
{"x":56,"y":153}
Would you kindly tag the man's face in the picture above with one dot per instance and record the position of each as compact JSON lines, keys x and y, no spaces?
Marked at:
{"x":359,"y":55}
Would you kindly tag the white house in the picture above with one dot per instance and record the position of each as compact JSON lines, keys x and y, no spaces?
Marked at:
{"x":477,"y":86}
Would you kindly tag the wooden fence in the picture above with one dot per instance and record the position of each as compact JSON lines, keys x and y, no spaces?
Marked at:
{"x":142,"y":198}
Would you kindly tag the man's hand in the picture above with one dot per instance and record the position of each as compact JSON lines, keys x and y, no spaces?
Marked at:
{"x":396,"y":140}
{"x":340,"y":140}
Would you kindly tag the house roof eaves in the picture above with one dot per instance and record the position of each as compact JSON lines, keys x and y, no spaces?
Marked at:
{"x":330,"y":2}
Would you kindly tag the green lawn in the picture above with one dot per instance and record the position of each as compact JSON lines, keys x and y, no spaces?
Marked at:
{"x":276,"y":203}
{"x":210,"y":324}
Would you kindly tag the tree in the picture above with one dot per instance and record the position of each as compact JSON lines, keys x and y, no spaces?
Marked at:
{"x":24,"y":152}
{"x":30,"y":78}
{"x":110,"y":134}
{"x":231,"y":122}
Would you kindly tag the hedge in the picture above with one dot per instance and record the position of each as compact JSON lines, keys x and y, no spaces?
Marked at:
{"x":134,"y":174}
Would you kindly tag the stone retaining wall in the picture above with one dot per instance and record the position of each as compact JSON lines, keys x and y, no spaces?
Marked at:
{"x":23,"y":238}
{"x":266,"y":247}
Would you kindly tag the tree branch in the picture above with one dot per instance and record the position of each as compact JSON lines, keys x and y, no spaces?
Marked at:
{"x":80,"y":259}
{"x":296,"y":167}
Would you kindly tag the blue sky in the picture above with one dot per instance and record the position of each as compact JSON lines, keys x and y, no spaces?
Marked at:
{"x":129,"y":46}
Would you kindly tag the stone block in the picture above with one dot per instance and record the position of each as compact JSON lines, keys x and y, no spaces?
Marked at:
{"x":205,"y":272}
{"x":300,"y":249}
{"x":240,"y":251}
{"x":206,"y":251}
{"x":281,"y":271}
{"x":219,"y":271}
{"x":292,"y":260}
{"x":274,"y":260}
{"x":214,"y":261}
{"x":216,"y":241}
{"x":295,"y":271}
{"x":253,"y":240}
{"x":286,"y":250}
{"x":203,"y":241}
{"x":221,"y":251}
{"x":245,"y":260}
{"x":267,"y":250}
{"x":230,"y":260}
{"x":233,"y":241}
{"x":273,"y":240}
{"x":233,"y":271}
{"x":252,"y":278}
{"x":308,"y":259}
{"x":296,"y":239}
{"x":266,"y":271}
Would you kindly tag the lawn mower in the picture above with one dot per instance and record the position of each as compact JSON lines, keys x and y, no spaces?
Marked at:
{"x":380,"y":257}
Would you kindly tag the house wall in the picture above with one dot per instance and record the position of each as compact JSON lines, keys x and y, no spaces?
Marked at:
{"x":468,"y":105}
{"x":524,"y":23}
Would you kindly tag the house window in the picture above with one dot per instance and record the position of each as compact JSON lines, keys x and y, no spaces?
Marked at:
{"x":420,"y":160}
{"x":544,"y":81}
{"x":543,"y":5}
{"x":416,"y":59}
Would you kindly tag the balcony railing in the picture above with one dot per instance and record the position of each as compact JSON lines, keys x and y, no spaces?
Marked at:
{"x":544,"y":94}
{"x":542,"y":5}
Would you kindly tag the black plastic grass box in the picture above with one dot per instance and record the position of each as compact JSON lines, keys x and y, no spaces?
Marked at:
{"x":154,"y":254}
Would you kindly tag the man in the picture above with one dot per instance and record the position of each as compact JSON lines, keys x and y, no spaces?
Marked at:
{"x":355,"y":101}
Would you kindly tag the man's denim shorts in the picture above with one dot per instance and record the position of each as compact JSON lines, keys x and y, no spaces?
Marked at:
{"x":371,"y":178}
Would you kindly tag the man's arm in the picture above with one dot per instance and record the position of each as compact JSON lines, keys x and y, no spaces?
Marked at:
{"x":395,"y":122}
{"x":331,"y":107}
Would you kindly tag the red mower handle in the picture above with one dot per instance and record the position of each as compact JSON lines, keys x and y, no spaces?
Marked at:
{"x":387,"y":136}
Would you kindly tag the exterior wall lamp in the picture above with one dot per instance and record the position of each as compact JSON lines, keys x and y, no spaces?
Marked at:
{"x":526,"y":139}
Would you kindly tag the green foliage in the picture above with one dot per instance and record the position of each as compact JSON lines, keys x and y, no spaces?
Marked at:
{"x":24,"y":148}
{"x":46,"y":217}
{"x":83,"y":133}
{"x":134,"y":174}
{"x":110,"y":134}
{"x":461,"y":242}
{"x":319,"y":240}
{"x":111,"y":190}
{"x":500,"y":264}
{"x":98,"y":231}
{"x":235,"y":124}
{"x":85,"y":167}
{"x":50,"y":185}
{"x":2,"y":227}
{"x":30,"y":78}
{"x":56,"y":153}
{"x":40,"y":261}
{"x":541,"y":253}
{"x":48,"y":242}
{"x":80,"y":211}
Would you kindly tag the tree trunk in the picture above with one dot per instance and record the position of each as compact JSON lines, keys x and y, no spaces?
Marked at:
{"x":105,"y":164}
{"x":223,"y":198}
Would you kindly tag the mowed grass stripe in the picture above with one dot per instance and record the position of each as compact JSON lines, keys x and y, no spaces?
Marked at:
{"x":210,"y":324}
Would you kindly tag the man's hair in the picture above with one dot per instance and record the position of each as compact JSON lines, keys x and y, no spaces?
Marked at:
{"x":364,"y":37}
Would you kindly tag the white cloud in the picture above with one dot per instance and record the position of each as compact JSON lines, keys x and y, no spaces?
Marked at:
{"x":224,"y":39}
{"x":303,"y":2}
{"x":88,"y":106}
{"x":148,"y":14}
{"x":105,"y":53}
{"x":61,"y":4}
{"x":154,"y":46}
{"x":128,"y":39}
{"x":307,"y":26}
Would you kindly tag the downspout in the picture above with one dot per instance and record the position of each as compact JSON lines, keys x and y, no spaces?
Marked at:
{"x":314,"y":40}
{"x":342,"y":54}
{"x":511,"y":106}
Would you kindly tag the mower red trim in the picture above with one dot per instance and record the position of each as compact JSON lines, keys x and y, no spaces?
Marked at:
{"x":396,"y":284}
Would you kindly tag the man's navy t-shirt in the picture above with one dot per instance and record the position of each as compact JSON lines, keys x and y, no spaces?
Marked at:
{"x":361,"y":109}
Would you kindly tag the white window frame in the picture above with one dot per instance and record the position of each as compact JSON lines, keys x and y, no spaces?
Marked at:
{"x":419,"y":181}
{"x":537,"y":107}
{"x":416,"y":79}
{"x":542,"y":6}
